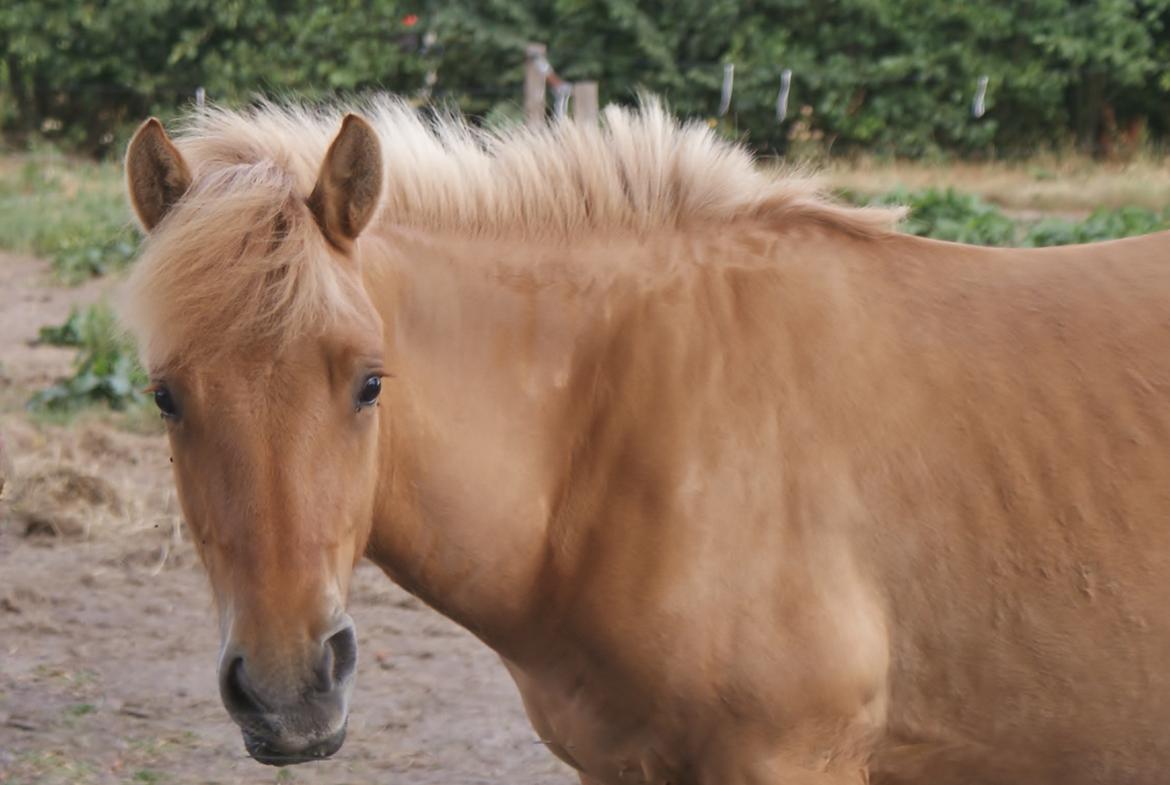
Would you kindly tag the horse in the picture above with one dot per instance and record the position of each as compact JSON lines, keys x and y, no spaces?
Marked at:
{"x":741,"y":484}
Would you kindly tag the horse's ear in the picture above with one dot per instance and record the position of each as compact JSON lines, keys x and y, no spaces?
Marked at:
{"x":350,"y":183}
{"x":156,"y":173}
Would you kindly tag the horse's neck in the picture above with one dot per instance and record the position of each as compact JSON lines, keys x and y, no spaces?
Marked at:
{"x":477,"y":424}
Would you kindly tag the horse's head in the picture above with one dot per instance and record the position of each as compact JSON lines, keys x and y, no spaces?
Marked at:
{"x":266,"y":358}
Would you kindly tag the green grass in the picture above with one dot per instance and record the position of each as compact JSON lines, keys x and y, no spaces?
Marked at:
{"x":70,"y":211}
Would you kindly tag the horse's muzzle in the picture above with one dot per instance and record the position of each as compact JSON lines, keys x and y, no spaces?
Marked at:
{"x":264,"y":751}
{"x":298,"y":719}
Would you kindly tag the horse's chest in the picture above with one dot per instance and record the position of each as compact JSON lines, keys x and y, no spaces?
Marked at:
{"x":607,"y":736}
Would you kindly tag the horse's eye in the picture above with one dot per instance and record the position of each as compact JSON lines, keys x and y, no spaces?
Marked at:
{"x":165,"y":403}
{"x":371,"y":387}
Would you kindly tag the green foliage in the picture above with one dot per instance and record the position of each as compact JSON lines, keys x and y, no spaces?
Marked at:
{"x":78,"y":257}
{"x":893,"y":76}
{"x":965,"y":218}
{"x":68,"y":333}
{"x":106,"y":370}
{"x":1103,"y":224}
{"x":951,"y":215}
{"x":882,"y":75}
{"x":85,"y":71}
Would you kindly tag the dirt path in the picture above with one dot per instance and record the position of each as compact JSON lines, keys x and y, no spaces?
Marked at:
{"x":108,"y":640}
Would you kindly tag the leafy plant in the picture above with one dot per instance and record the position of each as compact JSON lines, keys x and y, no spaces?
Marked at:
{"x":106,"y":370}
{"x":69,"y":332}
{"x":77,"y":258}
{"x":951,"y":215}
{"x":1103,"y":224}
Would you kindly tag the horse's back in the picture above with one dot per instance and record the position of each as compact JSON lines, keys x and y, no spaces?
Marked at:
{"x":1025,"y":508}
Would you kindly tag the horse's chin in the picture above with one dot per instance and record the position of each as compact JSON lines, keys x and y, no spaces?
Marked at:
{"x":270,"y":754}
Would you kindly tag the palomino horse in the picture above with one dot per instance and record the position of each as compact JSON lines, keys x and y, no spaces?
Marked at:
{"x":742,"y":486}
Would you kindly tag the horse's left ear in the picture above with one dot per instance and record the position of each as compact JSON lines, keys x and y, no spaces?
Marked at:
{"x":350,"y":183}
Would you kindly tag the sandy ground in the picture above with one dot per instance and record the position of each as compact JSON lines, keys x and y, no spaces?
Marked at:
{"x":108,"y":639}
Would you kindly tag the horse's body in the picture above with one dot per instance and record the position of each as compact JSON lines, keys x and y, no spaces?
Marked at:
{"x":748,"y":492}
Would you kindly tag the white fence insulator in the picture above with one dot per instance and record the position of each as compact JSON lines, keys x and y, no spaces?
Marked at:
{"x":979,"y":106}
{"x":561,"y":100}
{"x":725,"y":95}
{"x":782,"y":96}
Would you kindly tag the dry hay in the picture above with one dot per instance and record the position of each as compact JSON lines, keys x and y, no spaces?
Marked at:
{"x":85,"y":481}
{"x":63,"y":501}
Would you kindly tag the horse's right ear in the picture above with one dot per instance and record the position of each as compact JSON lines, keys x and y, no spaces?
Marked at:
{"x":156,"y":174}
{"x":350,"y":183}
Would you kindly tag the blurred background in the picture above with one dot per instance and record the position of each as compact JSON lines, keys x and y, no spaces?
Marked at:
{"x":1003,"y":122}
{"x":891,"y":77}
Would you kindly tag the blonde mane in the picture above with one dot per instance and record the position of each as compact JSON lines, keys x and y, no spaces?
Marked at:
{"x":239,"y":253}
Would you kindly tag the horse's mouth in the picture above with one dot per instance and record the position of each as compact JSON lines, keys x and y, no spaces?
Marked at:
{"x":270,"y":754}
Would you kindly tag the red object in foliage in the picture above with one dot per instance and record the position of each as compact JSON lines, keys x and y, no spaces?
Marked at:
{"x":410,"y":20}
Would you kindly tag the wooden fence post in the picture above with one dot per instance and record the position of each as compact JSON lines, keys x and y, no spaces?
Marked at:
{"x":585,"y":103}
{"x":534,"y":81}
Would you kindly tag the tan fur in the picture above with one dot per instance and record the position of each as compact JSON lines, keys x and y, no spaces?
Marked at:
{"x":742,"y":488}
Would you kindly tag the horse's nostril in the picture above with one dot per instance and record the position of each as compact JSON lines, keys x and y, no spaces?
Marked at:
{"x":234,"y":690}
{"x":341,"y":648}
